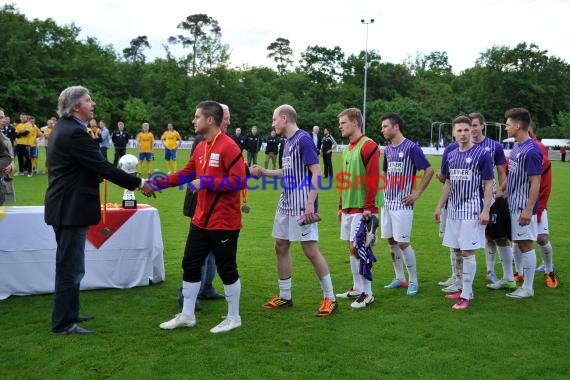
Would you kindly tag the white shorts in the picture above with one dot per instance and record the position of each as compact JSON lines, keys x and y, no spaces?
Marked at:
{"x":285,"y":227}
{"x":396,"y":224}
{"x":442,"y":221}
{"x":465,"y":235}
{"x":528,"y":232}
{"x":543,"y":225}
{"x":348,"y":225}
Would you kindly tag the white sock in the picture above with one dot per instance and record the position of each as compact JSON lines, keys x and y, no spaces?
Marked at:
{"x":354,"y":268}
{"x":469,"y":269}
{"x":190,"y":292}
{"x":490,"y":252}
{"x":453,"y":263}
{"x":326,"y":285}
{"x":507,"y":262}
{"x":367,"y":286}
{"x":233,"y":292}
{"x":285,"y":288}
{"x":410,"y":258}
{"x":546,"y":254}
{"x":518,"y":259}
{"x":529,"y":265}
{"x":458,"y":268}
{"x":397,"y":262}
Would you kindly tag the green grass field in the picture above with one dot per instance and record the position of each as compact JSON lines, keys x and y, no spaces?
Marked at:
{"x":397,"y":337}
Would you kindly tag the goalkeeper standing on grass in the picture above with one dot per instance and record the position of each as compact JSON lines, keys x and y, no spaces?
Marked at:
{"x":361,"y":159}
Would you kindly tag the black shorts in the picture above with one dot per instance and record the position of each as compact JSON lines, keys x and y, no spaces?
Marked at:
{"x":223,"y":244}
{"x":500,"y":223}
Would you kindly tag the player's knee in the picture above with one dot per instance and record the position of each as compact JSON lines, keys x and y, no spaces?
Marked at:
{"x":228,"y":274}
{"x":281,"y":246}
{"x":542,"y":239}
{"x":192,"y":275}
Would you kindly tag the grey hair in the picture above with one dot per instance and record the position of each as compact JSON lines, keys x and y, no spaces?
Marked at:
{"x":69,"y":99}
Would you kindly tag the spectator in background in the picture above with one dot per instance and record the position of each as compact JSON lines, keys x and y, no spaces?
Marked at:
{"x":94,"y":131}
{"x":563,"y":153}
{"x":252,"y":145}
{"x":271,"y":150}
{"x":120,"y":139}
{"x":37,"y":133}
{"x":7,"y":129}
{"x":239,"y":138}
{"x":171,"y":140}
{"x":24,"y":134}
{"x":327,"y":146}
{"x":105,"y":143}
{"x":6,"y":150}
{"x":145,"y":141}
{"x":281,"y":149}
{"x":317,"y":138}
{"x":47,"y":134}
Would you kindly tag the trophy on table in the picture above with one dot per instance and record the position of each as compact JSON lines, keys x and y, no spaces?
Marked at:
{"x":128,"y":163}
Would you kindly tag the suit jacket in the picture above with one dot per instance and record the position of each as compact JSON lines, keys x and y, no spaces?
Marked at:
{"x":75,"y":167}
{"x":319,"y":141}
{"x":5,"y":151}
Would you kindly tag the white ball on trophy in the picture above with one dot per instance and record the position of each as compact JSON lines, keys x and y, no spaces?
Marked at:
{"x":128,"y":163}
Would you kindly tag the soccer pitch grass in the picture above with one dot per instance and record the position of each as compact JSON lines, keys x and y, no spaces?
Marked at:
{"x":396,"y":337}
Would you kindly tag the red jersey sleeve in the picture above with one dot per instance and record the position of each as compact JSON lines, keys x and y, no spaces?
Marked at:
{"x":371,"y":159}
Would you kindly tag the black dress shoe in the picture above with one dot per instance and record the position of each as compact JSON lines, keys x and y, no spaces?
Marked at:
{"x":213,"y":295}
{"x":84,"y":318}
{"x":75,"y":330}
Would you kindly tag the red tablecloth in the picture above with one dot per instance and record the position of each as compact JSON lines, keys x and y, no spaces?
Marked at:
{"x":116,"y":217}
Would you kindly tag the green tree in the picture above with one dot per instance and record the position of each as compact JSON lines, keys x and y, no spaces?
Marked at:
{"x":281,"y":52}
{"x":205,"y":42}
{"x":134,"y":52}
{"x":135,"y":114}
{"x":323,"y":67}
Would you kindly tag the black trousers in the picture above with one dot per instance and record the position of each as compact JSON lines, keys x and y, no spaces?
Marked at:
{"x":200,"y":242}
{"x":327,"y":160}
{"x":24,"y":161}
{"x":69,"y":270}
{"x":119,"y":152}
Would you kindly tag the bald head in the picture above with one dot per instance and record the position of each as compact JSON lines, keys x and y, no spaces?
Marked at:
{"x":288,"y":111}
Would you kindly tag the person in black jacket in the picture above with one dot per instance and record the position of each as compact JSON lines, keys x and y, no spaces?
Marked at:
{"x":72,"y":201}
{"x":120,"y":139}
{"x":239,"y":138}
{"x":327,"y":146}
{"x":7,"y":129}
{"x":271,"y":149}
{"x":281,"y":150}
{"x":252,"y":145}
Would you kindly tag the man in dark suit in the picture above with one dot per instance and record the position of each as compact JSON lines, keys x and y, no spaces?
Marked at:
{"x":72,"y":201}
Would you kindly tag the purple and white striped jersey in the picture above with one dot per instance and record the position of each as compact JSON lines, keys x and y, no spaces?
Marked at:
{"x":525,"y":160}
{"x":494,"y":149}
{"x":298,"y":154}
{"x":466,"y":172}
{"x":448,"y":149}
{"x":400,"y":165}
{"x":497,"y":154}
